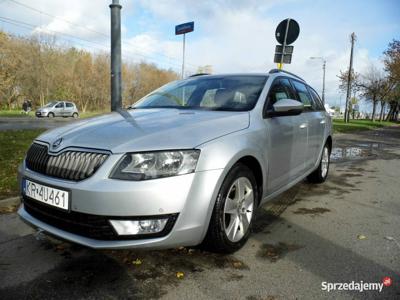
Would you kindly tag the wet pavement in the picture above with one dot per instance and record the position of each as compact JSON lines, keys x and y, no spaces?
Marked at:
{"x":341,"y":231}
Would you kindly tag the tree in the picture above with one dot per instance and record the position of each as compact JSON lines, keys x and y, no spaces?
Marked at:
{"x":42,"y":69}
{"x":392,"y":66}
{"x":10,"y":61}
{"x":354,"y":88}
{"x":373,"y":86}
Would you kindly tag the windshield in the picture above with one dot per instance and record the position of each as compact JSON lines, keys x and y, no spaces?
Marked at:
{"x":50,"y":104}
{"x":231,"y":93}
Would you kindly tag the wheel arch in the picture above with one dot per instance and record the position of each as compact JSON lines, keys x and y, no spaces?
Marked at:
{"x":254,"y":165}
{"x":329,"y":142}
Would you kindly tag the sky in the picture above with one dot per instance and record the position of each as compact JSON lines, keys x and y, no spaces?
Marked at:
{"x":229,"y":35}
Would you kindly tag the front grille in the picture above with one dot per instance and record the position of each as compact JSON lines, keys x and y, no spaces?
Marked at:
{"x":87,"y":225}
{"x":71,"y":165}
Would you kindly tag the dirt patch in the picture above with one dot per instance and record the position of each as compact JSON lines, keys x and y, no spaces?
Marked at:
{"x":8,"y":209}
{"x":311,"y":211}
{"x":254,"y":297}
{"x":276,"y":252}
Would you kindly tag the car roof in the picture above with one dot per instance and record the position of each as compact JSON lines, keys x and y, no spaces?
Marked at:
{"x":272,"y":72}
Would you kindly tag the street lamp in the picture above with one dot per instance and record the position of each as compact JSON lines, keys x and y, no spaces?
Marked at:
{"x":323,"y":76}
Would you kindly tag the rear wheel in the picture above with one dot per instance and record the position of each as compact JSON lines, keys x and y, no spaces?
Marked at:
{"x":50,"y":115}
{"x":321,"y":173}
{"x":231,"y":221}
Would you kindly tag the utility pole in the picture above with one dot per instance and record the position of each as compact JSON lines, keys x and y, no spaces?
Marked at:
{"x":348,"y":94}
{"x":116,"y":98}
{"x":323,"y":74}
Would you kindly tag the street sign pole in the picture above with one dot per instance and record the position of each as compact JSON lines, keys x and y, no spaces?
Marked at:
{"x":286,"y":33}
{"x":183,"y":29}
{"x":116,"y":98}
{"x":280,"y":66}
{"x":183,"y":56}
{"x":323,"y":81}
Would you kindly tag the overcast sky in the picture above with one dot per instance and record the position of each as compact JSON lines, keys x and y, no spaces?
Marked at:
{"x":232,"y":36}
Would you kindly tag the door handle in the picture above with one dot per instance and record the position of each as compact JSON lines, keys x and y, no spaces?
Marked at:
{"x":304,"y":125}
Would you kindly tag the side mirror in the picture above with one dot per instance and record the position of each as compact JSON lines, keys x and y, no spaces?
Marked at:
{"x":286,"y":107}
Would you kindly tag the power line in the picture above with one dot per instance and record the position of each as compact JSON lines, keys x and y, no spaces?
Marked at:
{"x":72,"y":38}
{"x":89,"y":29}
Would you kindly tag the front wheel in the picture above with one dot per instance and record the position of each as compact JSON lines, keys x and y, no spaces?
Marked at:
{"x":75,"y":115}
{"x":321,"y":173}
{"x":231,"y":220}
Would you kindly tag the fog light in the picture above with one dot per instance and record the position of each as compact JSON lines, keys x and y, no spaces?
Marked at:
{"x":124,"y":227}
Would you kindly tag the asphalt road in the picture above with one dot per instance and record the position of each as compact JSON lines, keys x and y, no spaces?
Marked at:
{"x":344,"y":230}
{"x":21,"y":123}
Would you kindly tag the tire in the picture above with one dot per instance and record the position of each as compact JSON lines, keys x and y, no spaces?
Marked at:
{"x":321,"y":173}
{"x":75,"y":115}
{"x":233,"y":211}
{"x":50,"y":115}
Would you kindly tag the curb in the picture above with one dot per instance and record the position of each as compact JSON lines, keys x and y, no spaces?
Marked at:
{"x":10,"y":201}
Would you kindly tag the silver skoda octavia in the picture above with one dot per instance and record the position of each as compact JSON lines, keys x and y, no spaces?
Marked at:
{"x":187,"y":164}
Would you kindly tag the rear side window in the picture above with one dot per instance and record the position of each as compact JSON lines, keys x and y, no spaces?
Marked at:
{"x":317,"y":100}
{"x":69,"y":104}
{"x":304,"y":96}
{"x":280,"y":89}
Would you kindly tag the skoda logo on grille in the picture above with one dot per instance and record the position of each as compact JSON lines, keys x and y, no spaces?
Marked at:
{"x":57,"y":143}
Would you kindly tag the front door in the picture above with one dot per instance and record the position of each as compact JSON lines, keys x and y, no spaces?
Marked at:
{"x":59,"y":109}
{"x":287,"y":140}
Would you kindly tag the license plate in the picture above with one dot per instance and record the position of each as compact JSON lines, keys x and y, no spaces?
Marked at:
{"x":49,"y":195}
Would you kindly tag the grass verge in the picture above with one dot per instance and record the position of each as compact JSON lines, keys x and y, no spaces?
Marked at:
{"x":13,"y":147}
{"x":357,"y":125}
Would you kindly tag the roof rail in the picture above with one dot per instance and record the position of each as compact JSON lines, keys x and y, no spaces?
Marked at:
{"x":272,"y":71}
{"x":199,"y":74}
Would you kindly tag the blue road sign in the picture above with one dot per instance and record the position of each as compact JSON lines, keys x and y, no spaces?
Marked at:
{"x":184,"y":28}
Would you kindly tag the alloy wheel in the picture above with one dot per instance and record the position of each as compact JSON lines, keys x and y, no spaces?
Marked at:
{"x":325,"y":162}
{"x":238,"y":209}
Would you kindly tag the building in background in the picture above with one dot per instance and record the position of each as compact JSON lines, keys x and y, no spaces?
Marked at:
{"x":205,"y":69}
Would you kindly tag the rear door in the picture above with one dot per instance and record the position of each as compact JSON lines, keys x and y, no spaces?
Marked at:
{"x":319,"y":121}
{"x":69,"y":109}
{"x":313,"y":117}
{"x":287,"y":139}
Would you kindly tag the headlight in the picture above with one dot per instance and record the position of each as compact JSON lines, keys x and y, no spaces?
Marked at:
{"x":150,"y":165}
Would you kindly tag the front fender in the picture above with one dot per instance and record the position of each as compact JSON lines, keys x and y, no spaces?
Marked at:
{"x":225,"y":152}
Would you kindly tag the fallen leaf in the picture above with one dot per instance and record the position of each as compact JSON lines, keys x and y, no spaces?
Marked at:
{"x":361,"y":237}
{"x":180,"y":275}
{"x":137,"y":262}
{"x":237,"y":264}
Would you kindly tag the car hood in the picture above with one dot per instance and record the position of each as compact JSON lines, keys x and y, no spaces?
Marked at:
{"x":147,"y":129}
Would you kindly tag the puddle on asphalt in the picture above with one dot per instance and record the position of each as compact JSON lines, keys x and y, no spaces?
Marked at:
{"x":343,"y":153}
{"x":363,"y":150}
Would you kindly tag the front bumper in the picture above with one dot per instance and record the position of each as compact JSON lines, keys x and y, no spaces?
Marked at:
{"x":188,"y":197}
{"x":40,"y":114}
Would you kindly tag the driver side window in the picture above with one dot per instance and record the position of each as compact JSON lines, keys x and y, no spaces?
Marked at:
{"x":279,"y":90}
{"x":60,"y":105}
